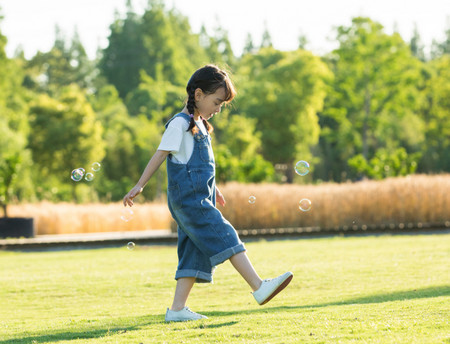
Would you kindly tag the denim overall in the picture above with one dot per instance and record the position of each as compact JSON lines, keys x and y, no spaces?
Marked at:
{"x":205,"y":237}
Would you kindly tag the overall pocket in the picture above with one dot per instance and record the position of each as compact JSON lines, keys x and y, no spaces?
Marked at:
{"x":203,"y":181}
{"x":204,"y":147}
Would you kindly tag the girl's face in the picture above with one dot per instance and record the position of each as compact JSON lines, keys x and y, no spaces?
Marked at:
{"x":209,"y":104}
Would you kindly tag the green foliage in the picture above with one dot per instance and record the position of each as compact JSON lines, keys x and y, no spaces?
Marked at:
{"x":373,"y":100}
{"x":385,"y":164}
{"x":8,"y":174}
{"x":252,"y":169}
{"x":120,"y":163}
{"x":157,"y":99}
{"x":218,"y":47}
{"x":435,"y":114}
{"x":284,"y":91}
{"x":416,"y":45}
{"x":66,"y":135}
{"x":159,"y":41}
{"x":14,"y":128}
{"x":63,"y":65}
{"x":439,"y":49}
{"x":238,"y":156}
{"x":129,"y":143}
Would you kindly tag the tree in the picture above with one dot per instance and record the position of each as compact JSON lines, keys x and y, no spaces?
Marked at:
{"x":61,"y":66}
{"x":66,"y":135}
{"x":219,"y":50}
{"x":442,"y":48}
{"x":123,"y":58}
{"x":302,"y":41}
{"x":237,"y":150}
{"x":435,"y":114}
{"x":14,"y":128}
{"x":266,"y":41}
{"x":373,"y":100}
{"x":284,"y":91}
{"x":249,"y":46}
{"x":130,"y":142}
{"x":155,"y":98}
{"x":159,"y":41}
{"x":416,"y":45}
{"x":12,"y":154}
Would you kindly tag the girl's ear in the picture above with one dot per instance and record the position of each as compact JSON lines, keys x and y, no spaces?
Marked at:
{"x":198,"y":94}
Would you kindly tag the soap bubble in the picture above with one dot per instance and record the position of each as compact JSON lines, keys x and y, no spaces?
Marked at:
{"x":304,"y":204}
{"x":126,"y":214}
{"x":252,"y":199}
{"x":302,"y":168}
{"x":131,"y":245}
{"x":89,"y":176}
{"x":77,"y":174}
{"x":96,"y":166}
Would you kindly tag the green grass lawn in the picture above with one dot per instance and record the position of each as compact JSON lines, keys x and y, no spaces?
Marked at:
{"x":385,"y":289}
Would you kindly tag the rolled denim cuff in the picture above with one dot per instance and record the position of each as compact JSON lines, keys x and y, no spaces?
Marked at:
{"x":219,"y":258}
{"x":200,"y":276}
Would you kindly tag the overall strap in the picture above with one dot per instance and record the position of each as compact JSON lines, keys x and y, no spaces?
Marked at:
{"x":181,"y":114}
{"x":188,"y":119}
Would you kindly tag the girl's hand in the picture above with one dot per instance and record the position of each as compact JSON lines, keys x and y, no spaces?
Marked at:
{"x":220,"y":198}
{"x":128,"y":199}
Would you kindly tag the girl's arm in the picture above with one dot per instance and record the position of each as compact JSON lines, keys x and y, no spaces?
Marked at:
{"x":220,"y":198}
{"x":153,"y":165}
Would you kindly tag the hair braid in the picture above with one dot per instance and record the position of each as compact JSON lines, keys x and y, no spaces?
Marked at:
{"x":208,"y":126}
{"x":191,"y":108}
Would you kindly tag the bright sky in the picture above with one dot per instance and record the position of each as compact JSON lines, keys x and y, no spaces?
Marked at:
{"x":31,"y":23}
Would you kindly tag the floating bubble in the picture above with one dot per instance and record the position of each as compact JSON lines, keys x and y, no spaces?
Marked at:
{"x":126,"y":214}
{"x":252,"y":199}
{"x":89,"y":176}
{"x":96,"y":166}
{"x":77,"y":174}
{"x":131,"y":245}
{"x":302,"y":168}
{"x":304,"y":204}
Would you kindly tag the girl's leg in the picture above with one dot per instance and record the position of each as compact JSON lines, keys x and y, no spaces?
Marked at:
{"x":243,"y":265}
{"x":184,"y":286}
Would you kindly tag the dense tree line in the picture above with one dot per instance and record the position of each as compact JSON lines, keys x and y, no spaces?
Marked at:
{"x":375,"y":107}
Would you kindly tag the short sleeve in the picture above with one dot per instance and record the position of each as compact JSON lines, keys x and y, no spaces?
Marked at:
{"x":173,"y":136}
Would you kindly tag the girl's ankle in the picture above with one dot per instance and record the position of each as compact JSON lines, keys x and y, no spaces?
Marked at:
{"x":176,"y":308}
{"x":257,"y":285}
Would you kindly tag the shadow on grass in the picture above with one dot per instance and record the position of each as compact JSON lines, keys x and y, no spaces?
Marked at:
{"x":114,"y":327}
{"x":423,"y":293}
{"x":206,"y":325}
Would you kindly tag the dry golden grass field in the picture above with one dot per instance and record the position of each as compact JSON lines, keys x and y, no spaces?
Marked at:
{"x":413,"y":199}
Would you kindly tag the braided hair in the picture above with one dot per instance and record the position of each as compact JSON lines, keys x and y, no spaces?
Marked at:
{"x":209,"y":79}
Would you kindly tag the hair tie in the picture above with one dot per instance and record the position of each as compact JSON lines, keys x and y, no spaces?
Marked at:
{"x":191,"y":115}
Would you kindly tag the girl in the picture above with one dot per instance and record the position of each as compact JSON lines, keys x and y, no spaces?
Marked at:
{"x":205,"y":238}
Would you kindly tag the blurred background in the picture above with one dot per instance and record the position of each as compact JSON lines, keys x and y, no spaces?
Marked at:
{"x":360,"y":91}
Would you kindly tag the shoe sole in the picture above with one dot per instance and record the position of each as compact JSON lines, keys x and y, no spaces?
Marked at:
{"x":280,"y":288}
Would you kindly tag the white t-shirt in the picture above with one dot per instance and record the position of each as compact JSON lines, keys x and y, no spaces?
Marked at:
{"x":178,"y":141}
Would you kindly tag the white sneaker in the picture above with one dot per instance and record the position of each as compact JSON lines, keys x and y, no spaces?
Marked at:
{"x":271,"y":287}
{"x":184,"y":315}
